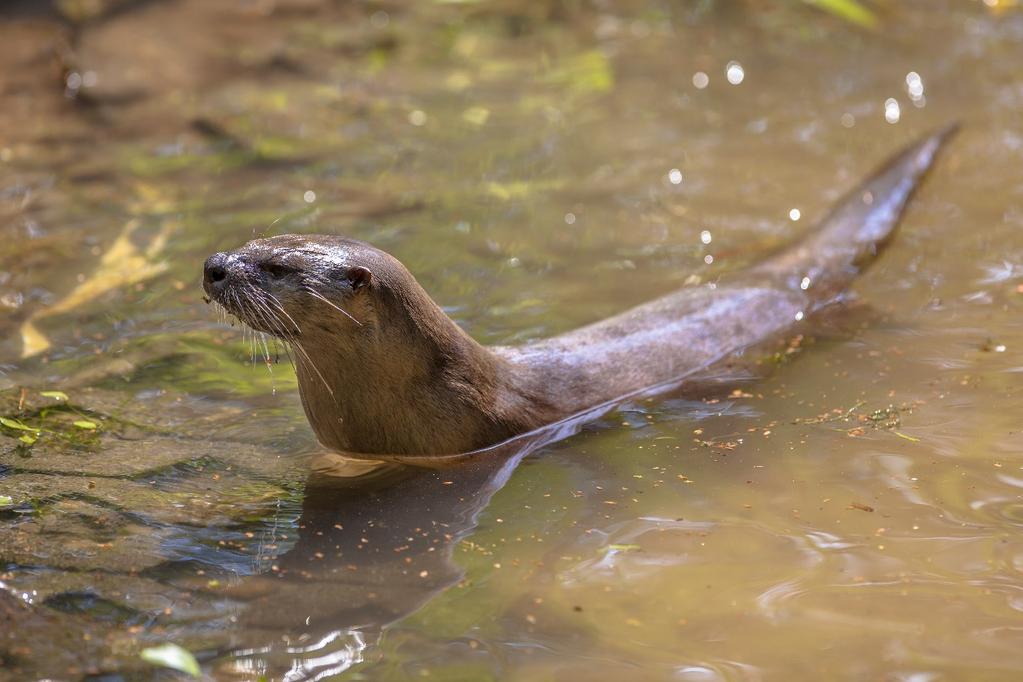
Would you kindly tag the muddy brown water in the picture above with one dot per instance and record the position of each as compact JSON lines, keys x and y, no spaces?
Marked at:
{"x":853,"y":513}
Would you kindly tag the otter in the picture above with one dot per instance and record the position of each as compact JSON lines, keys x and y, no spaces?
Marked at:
{"x":384,"y":373}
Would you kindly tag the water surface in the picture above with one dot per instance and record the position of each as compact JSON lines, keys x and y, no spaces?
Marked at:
{"x":851,"y":510}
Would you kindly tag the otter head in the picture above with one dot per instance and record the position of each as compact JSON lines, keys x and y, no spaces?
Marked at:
{"x":296,"y":287}
{"x":380,"y":367}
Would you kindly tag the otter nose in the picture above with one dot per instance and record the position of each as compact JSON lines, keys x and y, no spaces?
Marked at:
{"x":214,"y":271}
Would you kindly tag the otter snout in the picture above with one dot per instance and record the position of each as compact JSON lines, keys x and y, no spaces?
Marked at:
{"x":215,"y":273}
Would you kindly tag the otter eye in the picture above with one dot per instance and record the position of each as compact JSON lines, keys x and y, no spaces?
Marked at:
{"x":275,"y":269}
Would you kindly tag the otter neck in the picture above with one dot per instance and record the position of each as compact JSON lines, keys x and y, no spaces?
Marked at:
{"x":412,"y":382}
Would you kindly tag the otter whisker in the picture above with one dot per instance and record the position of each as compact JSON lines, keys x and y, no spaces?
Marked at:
{"x":276,"y":323}
{"x":247,"y":337}
{"x":278,"y":345}
{"x":258,"y":310}
{"x":239,"y":305}
{"x":277,"y":303}
{"x":268,"y":363}
{"x":266,"y":350}
{"x":303,"y":353}
{"x":306,"y":358}
{"x":333,"y":305}
{"x":250,"y":336}
{"x":268,"y":316}
{"x":250,"y":307}
{"x":251,"y":313}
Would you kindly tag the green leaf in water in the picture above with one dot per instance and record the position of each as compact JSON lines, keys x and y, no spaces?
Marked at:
{"x":56,"y":395}
{"x":28,"y":439}
{"x":172,"y":656}
{"x":15,"y":424}
{"x":853,"y":11}
{"x":84,"y":424}
{"x":6,"y":500}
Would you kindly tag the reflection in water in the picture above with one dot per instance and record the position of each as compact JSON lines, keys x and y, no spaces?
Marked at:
{"x":375,"y":543}
{"x":331,"y":654}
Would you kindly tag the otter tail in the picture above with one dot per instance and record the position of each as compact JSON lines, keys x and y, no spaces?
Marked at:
{"x":827,"y":259}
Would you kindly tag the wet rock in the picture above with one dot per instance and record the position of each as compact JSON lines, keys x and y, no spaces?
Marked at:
{"x":36,"y":644}
{"x":30,"y":50}
{"x":202,"y":502}
{"x":110,"y":458}
{"x":136,"y":439}
{"x":178,"y":48}
{"x":81,"y":536}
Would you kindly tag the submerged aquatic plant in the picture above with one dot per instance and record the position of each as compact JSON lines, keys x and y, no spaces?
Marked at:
{"x":63,"y":421}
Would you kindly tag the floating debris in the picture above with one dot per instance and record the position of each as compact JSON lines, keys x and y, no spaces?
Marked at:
{"x":172,"y":656}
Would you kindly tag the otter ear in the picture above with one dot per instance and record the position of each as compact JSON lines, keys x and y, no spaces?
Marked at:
{"x":358,"y":277}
